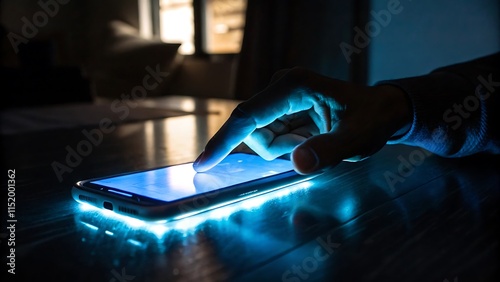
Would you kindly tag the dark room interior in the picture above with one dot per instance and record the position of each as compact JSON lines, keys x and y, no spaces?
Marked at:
{"x":386,"y":113}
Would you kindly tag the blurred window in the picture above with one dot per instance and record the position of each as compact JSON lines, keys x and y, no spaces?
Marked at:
{"x":223,"y":22}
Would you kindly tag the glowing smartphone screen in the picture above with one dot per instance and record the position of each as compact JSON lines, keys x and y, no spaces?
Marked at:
{"x":180,"y":181}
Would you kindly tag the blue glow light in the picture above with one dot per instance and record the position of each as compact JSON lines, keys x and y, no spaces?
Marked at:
{"x":135,"y":242}
{"x":181,"y":181}
{"x":190,"y":222}
{"x":120,"y":193}
{"x":93,"y":227}
{"x":347,"y":209}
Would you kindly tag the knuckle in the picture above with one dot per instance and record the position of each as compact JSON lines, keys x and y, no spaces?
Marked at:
{"x":279,"y":74}
{"x":239,"y":111}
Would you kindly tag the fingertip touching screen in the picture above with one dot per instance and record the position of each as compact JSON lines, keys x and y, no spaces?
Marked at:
{"x":181,"y":181}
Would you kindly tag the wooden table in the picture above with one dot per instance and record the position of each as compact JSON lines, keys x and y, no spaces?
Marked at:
{"x":402,"y":215}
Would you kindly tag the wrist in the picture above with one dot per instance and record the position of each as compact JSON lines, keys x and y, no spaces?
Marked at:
{"x":399,"y":108}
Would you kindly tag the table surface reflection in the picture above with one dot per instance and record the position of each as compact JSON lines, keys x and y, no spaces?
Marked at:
{"x":401,"y":215}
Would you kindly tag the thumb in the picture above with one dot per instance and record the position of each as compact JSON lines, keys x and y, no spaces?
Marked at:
{"x":321,"y":152}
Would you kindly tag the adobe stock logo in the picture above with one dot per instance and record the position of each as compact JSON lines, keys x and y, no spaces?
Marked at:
{"x":303,"y":270}
{"x":362,"y":38}
{"x":121,"y":277}
{"x":49,"y":9}
{"x":471,"y":103}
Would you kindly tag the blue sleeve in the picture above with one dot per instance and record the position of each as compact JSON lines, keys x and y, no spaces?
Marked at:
{"x":456,"y":109}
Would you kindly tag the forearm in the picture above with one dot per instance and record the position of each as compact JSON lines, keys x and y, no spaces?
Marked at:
{"x":455,"y":108}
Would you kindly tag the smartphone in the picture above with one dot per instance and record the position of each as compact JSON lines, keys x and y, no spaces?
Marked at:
{"x":177,"y":191}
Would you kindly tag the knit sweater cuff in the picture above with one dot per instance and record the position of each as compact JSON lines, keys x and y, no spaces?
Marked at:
{"x":449,"y":113}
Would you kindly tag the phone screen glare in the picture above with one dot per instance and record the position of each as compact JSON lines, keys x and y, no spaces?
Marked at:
{"x":180,"y":181}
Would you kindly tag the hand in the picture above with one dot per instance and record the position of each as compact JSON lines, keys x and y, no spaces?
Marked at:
{"x":319,"y":120}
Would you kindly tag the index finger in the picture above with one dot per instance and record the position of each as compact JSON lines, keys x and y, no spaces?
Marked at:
{"x":257,"y":112}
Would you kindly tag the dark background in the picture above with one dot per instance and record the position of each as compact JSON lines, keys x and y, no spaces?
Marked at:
{"x":77,"y":55}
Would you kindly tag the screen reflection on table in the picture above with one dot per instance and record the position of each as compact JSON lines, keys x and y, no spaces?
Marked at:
{"x":276,"y":224}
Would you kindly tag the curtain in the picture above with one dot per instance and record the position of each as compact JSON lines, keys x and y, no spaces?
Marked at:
{"x":286,"y":33}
